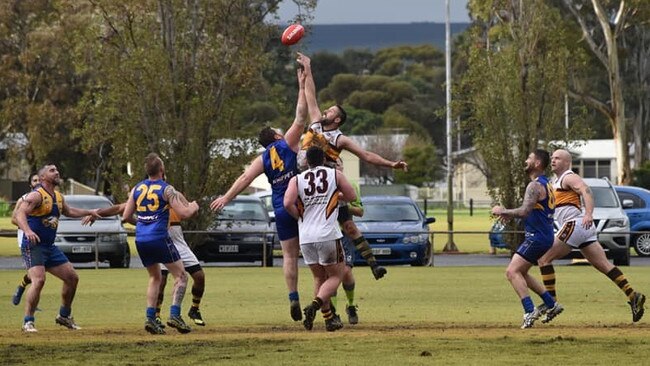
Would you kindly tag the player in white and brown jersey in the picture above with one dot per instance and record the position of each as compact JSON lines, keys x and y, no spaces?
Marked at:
{"x":578,"y":231}
{"x":312,"y":198}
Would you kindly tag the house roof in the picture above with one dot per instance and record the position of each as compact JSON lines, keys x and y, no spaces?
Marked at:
{"x":593,"y":149}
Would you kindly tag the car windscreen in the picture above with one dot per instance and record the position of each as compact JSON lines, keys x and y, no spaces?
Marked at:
{"x":241,"y":210}
{"x":388,"y":211}
{"x":86,"y":205}
{"x":604,"y":197}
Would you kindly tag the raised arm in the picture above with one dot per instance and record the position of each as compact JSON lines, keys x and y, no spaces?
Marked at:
{"x":290,"y":198}
{"x":347,"y":143}
{"x":298,"y":126}
{"x":534,"y":192}
{"x":129,"y":208}
{"x":310,"y":89}
{"x":245,"y":179}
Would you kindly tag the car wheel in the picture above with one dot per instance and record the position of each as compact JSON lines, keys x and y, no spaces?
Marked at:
{"x":641,"y":244}
{"x":121,"y":261}
{"x":426,"y":259}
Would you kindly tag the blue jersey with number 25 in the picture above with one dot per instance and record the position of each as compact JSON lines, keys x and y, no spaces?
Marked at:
{"x":279,"y":166}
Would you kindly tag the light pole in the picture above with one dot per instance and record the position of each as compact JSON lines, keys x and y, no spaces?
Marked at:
{"x":450,"y":246}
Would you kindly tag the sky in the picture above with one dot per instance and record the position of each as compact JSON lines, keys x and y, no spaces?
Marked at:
{"x":379,"y":11}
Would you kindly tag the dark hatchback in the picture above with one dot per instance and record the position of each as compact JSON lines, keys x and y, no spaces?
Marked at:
{"x":396,"y":229}
{"x":241,"y":232}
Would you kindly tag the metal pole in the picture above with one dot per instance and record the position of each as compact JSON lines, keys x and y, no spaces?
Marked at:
{"x":450,"y":246}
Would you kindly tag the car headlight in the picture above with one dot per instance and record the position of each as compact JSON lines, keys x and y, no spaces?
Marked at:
{"x":416,"y":239}
{"x":109,"y":238}
{"x":253,"y":239}
{"x":616,"y":223}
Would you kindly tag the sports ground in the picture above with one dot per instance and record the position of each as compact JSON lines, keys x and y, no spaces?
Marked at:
{"x":426,"y":315}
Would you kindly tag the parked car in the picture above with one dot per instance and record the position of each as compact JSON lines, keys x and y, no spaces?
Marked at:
{"x":240,"y":233}
{"x":267,"y":200}
{"x":78,"y":242}
{"x":636,"y":203}
{"x":611,"y":222}
{"x":396,"y":229}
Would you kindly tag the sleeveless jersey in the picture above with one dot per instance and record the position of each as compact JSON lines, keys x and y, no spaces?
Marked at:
{"x":174,"y":219}
{"x":318,"y":198}
{"x":326,"y":140}
{"x":44,"y":219}
{"x":152,"y":210}
{"x":539,"y":223}
{"x":568,"y":205}
{"x":279,"y":166}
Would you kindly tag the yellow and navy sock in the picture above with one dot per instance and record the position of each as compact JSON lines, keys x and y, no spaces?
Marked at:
{"x":362,"y":245}
{"x":548,"y":277}
{"x":26,"y":281}
{"x":549,"y":301}
{"x":619,"y":279}
{"x":151,"y":313}
{"x":293,"y":296}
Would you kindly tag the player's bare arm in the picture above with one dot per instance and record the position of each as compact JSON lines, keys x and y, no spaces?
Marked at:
{"x":347,"y":191}
{"x":244,"y":180}
{"x":77,"y":212}
{"x":315,"y":113}
{"x":129,"y":208}
{"x":290,"y":197}
{"x":179,"y":203}
{"x":298,"y":127}
{"x":104,"y":212}
{"x":347,"y":143}
{"x":575,"y":182}
{"x":30,"y":201}
{"x":534,"y":193}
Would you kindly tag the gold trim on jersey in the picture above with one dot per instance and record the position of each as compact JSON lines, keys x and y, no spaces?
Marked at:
{"x":45,"y":208}
{"x":312,"y":138}
{"x":173,"y":217}
{"x":566,"y":230}
{"x":301,"y":207}
{"x":332,"y":204}
{"x":566,"y":197}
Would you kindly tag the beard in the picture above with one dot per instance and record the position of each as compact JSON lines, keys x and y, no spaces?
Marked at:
{"x":325,"y":122}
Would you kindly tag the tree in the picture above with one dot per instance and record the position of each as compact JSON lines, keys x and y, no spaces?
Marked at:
{"x":176,"y":77}
{"x":513,"y":90}
{"x":424,"y":164}
{"x":602,"y":24}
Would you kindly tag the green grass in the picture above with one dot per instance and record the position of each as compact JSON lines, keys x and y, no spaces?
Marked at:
{"x":429,"y":315}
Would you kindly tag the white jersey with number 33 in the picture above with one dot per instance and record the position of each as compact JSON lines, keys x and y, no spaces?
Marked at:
{"x":318,"y":197}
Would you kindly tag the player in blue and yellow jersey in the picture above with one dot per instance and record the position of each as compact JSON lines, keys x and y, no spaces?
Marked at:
{"x":278,"y":162}
{"x":38,"y":218}
{"x":537,"y":211}
{"x":151,"y":200}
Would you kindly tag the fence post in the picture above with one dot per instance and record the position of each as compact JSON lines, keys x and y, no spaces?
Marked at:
{"x":471,"y":207}
{"x":96,"y":251}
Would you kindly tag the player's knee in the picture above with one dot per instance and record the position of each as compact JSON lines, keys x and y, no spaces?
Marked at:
{"x":351,"y":229}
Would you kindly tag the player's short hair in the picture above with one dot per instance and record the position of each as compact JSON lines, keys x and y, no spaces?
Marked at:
{"x":266,"y":136}
{"x":153,"y":164}
{"x":342,"y":114}
{"x":315,"y":156}
{"x":543,"y":156}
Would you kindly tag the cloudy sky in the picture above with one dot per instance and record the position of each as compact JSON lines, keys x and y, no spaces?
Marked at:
{"x":379,"y":11}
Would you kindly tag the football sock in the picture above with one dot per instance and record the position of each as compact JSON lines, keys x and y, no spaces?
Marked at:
{"x":150,"y":313}
{"x":293,"y":296}
{"x":26,"y":281}
{"x":619,"y":279}
{"x":317,"y":302}
{"x":528,"y":305}
{"x":349,"y":292}
{"x":28,"y":319}
{"x":175,"y":310}
{"x":548,"y":277}
{"x":197,"y":295}
{"x":549,"y":301}
{"x":361,"y":244}
{"x":65,"y":311}
{"x":327,"y":313}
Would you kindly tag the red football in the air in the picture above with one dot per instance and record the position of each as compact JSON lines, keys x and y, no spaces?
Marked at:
{"x":292,"y":34}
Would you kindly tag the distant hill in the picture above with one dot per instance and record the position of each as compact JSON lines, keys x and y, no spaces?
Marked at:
{"x":336,"y":38}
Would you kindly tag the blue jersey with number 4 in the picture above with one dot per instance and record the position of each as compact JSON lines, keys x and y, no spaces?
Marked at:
{"x":279,"y":166}
{"x":151,"y":209}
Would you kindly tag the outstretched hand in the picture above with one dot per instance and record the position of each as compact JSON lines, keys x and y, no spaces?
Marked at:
{"x":303,"y":60}
{"x":219,"y":203}
{"x":401,"y":165}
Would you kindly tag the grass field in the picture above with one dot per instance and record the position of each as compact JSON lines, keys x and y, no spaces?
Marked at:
{"x":430,"y":315}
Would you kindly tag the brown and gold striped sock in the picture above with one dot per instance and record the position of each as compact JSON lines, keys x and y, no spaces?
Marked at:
{"x":548,"y":277}
{"x":619,"y":279}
